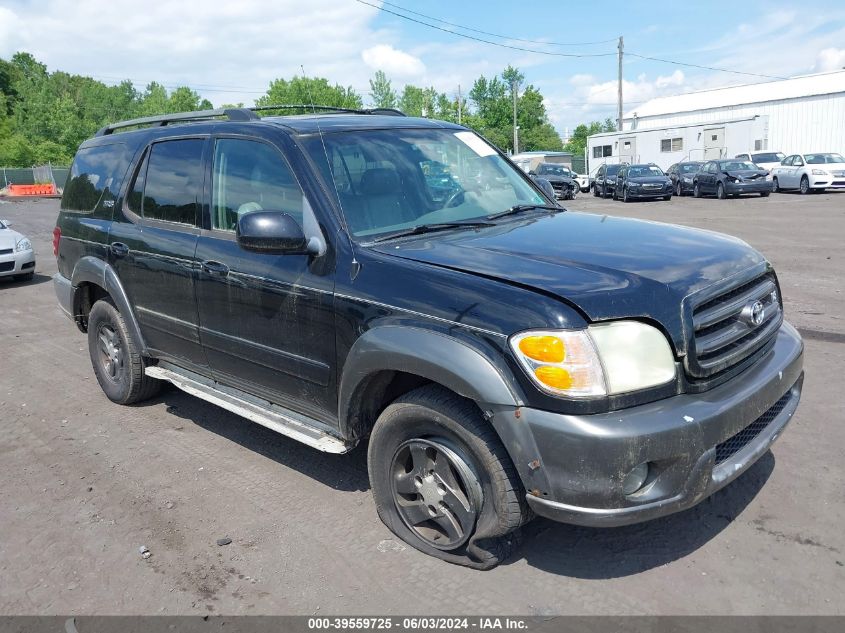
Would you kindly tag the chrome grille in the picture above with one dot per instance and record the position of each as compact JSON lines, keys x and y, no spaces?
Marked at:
{"x":724,"y":327}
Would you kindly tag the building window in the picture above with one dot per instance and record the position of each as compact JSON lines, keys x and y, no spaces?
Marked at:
{"x":600,"y":151}
{"x":671,"y":144}
{"x":760,"y":144}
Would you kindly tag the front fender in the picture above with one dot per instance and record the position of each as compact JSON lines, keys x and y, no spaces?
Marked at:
{"x":100,"y":273}
{"x":451,"y":363}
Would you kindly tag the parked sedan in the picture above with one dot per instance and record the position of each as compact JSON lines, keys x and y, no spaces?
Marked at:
{"x":682,"y":175}
{"x":642,"y":181}
{"x":17,"y":259}
{"x":561,"y":178}
{"x":810,"y":172}
{"x":605,"y":182}
{"x":763,"y":160}
{"x":730,"y":177}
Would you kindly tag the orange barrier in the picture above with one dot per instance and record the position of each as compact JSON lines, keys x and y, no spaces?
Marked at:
{"x":32,"y":190}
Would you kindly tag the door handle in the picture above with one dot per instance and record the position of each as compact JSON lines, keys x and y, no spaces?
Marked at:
{"x":119,"y":249}
{"x":217,"y":269}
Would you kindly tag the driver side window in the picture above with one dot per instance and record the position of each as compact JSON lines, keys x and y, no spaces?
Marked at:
{"x":251,"y":176}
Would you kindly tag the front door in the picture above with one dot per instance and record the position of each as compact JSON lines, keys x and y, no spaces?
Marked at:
{"x":266,"y":320}
{"x":714,"y":143}
{"x":152,"y":243}
{"x":628,"y":150}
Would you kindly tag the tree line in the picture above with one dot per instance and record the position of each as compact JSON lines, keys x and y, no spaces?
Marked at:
{"x":44,"y":116}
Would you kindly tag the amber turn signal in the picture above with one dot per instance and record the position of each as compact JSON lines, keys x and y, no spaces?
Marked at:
{"x":547,"y":349}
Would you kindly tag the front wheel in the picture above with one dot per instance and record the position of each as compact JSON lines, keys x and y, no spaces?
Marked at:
{"x":117,"y":362}
{"x":805,"y":186}
{"x":625,"y":197}
{"x":443,"y":482}
{"x":678,"y":191}
{"x":667,"y":198}
{"x":696,"y":191}
{"x":775,"y":186}
{"x":764,"y":194}
{"x":720,"y":191}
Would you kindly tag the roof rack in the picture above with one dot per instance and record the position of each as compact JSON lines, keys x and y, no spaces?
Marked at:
{"x":233,"y":114}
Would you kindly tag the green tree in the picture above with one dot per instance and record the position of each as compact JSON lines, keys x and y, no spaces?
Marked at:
{"x":310,"y":90}
{"x":382,"y":93}
{"x":578,"y":141}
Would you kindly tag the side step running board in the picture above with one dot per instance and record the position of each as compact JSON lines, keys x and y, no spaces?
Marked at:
{"x":264,"y":413}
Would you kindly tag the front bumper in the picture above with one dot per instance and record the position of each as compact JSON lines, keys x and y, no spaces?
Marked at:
{"x":642,"y":192}
{"x":584,"y":459}
{"x":833,"y":180}
{"x":686,"y":187}
{"x":761,"y":185}
{"x":21,"y":263}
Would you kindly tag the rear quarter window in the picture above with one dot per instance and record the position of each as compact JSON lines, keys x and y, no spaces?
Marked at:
{"x":94,"y":180}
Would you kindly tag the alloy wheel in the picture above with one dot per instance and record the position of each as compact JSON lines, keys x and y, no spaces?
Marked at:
{"x":111,"y":352}
{"x":436,"y":492}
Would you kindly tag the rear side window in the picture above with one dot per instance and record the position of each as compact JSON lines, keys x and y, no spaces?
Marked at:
{"x":94,"y":180}
{"x":172,"y":181}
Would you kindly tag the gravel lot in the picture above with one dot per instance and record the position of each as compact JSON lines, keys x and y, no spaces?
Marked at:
{"x":84,"y":483}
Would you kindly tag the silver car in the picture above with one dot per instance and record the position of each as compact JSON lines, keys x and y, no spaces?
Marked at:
{"x":17,"y":259}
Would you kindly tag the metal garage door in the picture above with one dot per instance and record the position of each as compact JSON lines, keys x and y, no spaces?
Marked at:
{"x":714,"y":143}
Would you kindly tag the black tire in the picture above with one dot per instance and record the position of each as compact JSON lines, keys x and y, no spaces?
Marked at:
{"x":804,"y":187}
{"x":625,"y":197}
{"x":595,"y":191}
{"x":696,"y":191}
{"x":775,"y":186}
{"x":24,"y":277}
{"x":432,"y":421}
{"x":667,"y":198}
{"x":764,"y":194}
{"x":678,"y":190}
{"x":117,"y":363}
{"x":720,"y":191}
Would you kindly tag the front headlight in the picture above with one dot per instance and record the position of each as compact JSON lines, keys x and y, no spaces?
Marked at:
{"x":23,"y":245}
{"x":633,"y":185}
{"x":687,"y":179}
{"x":605,"y":359}
{"x":819,"y":172}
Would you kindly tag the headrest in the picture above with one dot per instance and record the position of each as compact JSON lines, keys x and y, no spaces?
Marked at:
{"x":380,"y":181}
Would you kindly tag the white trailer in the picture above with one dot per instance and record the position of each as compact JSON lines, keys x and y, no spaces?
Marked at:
{"x":665,"y":146}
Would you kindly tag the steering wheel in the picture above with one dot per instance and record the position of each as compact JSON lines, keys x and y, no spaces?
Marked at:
{"x":451,"y":199}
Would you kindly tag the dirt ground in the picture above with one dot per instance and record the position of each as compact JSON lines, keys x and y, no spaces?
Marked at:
{"x":84,"y":483}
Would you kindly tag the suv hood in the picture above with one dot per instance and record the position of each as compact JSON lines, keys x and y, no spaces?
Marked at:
{"x":608,"y":267}
{"x":746,"y":174}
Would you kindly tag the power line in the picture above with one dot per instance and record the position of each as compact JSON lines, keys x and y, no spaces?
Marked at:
{"x":722,"y":70}
{"x":479,"y":39}
{"x":504,"y":37}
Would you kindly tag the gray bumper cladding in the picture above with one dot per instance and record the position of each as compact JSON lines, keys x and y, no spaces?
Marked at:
{"x":694,"y":444}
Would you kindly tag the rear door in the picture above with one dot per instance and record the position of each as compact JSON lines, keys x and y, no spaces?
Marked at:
{"x":266,"y":320}
{"x":783,"y":172}
{"x":152,"y":243}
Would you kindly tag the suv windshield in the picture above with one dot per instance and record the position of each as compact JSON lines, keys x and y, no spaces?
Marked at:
{"x":819,"y":159}
{"x":770,"y":157}
{"x":644,"y":171}
{"x":389,"y":180}
{"x":612,"y":170}
{"x":553,"y":170}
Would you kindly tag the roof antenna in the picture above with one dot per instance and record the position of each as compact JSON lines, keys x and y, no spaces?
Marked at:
{"x":356,"y":266}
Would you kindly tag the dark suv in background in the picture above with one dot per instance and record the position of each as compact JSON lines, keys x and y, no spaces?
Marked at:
{"x":642,"y":182}
{"x":315,"y":274}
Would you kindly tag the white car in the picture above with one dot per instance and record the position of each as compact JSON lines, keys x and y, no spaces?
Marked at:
{"x":810,"y":172}
{"x":763,"y":160}
{"x":17,"y":259}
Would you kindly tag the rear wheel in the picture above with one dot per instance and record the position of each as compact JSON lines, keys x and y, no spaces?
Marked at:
{"x":805,"y":186}
{"x":117,"y":362}
{"x":443,"y":482}
{"x":720,"y":191}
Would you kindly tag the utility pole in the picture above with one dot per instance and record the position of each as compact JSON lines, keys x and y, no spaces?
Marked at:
{"x":619,"y":118}
{"x":514,"y":88}
{"x":459,"y":104}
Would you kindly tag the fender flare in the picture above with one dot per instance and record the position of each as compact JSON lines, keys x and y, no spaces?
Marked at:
{"x":100,"y":273}
{"x":455,"y":365}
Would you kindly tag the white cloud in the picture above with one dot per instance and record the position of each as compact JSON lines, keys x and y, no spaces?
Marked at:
{"x":582,"y":80}
{"x":830,"y":59}
{"x":392,"y":61}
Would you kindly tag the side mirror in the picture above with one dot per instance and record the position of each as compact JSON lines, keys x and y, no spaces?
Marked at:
{"x":270,"y":232}
{"x":546,"y":186}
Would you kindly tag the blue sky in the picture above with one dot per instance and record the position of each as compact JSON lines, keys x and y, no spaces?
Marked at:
{"x":230,"y":52}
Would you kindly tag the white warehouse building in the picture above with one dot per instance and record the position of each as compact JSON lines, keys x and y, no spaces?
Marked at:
{"x":801,"y":114}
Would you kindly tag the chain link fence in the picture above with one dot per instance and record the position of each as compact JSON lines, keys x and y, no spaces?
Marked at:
{"x":44,"y":174}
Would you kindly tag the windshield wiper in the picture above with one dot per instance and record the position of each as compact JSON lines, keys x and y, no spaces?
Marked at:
{"x":519,"y":208}
{"x":430,"y":228}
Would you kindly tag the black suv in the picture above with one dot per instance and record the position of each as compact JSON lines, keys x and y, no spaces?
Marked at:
{"x":504,"y":357}
{"x":604,"y":184}
{"x":642,"y":181}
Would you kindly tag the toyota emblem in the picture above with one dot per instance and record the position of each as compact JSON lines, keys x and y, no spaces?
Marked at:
{"x":753,"y":313}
